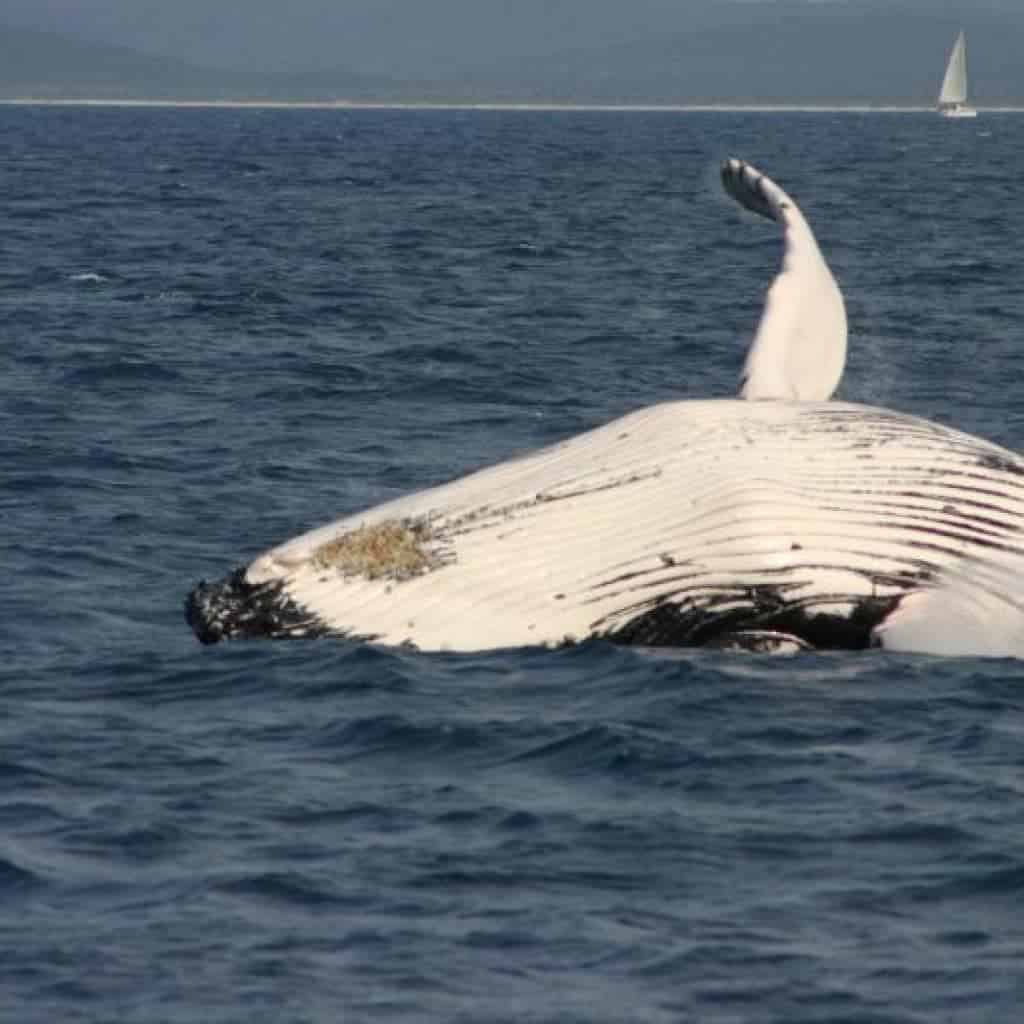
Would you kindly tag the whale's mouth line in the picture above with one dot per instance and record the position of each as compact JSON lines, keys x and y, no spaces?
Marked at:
{"x":235,"y":608}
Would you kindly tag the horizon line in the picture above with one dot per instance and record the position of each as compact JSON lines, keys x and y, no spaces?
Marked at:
{"x":825,"y":108}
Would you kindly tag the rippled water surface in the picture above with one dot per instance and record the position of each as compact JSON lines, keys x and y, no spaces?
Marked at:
{"x":226,"y":326}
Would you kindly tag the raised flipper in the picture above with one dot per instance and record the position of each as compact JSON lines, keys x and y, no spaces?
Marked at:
{"x":799,"y":350}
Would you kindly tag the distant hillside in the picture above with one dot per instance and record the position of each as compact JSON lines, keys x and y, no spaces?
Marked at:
{"x":45,"y":65}
{"x":784,"y":52}
{"x":781,"y":52}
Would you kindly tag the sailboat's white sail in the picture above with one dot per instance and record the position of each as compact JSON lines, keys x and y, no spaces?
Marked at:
{"x":953,"y":94}
{"x":954,"y":84}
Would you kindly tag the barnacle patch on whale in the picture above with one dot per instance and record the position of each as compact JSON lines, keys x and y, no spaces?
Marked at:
{"x":396,"y":549}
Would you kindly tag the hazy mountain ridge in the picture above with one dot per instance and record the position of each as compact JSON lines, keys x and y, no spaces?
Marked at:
{"x":791,"y":54}
{"x":47,"y":65}
{"x":775,"y":52}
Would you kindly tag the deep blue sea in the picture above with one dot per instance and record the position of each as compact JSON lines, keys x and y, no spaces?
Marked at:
{"x":223,"y":327}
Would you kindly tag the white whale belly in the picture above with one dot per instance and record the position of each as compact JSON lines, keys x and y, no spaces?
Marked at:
{"x":673,"y":525}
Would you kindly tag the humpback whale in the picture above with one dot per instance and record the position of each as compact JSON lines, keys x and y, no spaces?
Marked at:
{"x":776,"y":520}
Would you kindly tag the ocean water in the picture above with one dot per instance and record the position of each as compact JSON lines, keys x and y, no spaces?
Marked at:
{"x":223,"y":327}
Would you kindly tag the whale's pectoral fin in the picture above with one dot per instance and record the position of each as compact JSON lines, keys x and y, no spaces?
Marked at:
{"x":971,"y":613}
{"x":799,"y":350}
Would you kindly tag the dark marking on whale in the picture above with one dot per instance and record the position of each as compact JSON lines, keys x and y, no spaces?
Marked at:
{"x":233,"y":607}
{"x":763,"y":608}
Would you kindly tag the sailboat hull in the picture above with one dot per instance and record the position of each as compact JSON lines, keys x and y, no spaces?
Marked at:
{"x":959,"y":112}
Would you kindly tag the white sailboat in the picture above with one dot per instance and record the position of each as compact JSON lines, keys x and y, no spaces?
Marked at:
{"x":953,"y":94}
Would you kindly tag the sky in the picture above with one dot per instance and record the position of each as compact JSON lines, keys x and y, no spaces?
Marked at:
{"x":391,"y":37}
